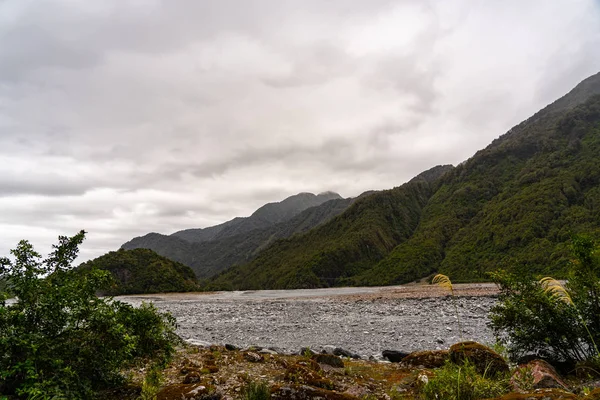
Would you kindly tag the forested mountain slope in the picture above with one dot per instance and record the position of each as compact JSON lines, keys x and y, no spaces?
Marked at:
{"x":143,"y":271}
{"x":346,"y":245}
{"x":514,"y":204}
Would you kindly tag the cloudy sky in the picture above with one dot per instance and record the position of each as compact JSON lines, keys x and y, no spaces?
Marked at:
{"x":123,"y":117}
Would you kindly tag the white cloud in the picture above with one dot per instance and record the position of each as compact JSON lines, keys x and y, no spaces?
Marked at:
{"x":125,"y":117}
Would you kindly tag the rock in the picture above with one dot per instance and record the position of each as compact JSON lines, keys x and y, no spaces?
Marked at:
{"x":328,"y":349}
{"x":194,"y":391}
{"x":338,"y":351}
{"x":357,"y":391}
{"x":541,"y":394}
{"x":538,"y":374}
{"x":192,"y":377}
{"x":329,"y":359}
{"x":231,"y":347}
{"x":199,"y":343}
{"x":426,"y":359}
{"x":300,"y":374}
{"x":394,"y":355}
{"x":303,"y":392}
{"x":251,"y":356}
{"x":267,"y":351}
{"x":485,"y":360}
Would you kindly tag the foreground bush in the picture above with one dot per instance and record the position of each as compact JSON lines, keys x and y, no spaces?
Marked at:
{"x":561,"y":324}
{"x":59,"y":340}
{"x":463,"y":382}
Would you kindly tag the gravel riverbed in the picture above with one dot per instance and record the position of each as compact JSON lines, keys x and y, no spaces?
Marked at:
{"x":365,"y":321}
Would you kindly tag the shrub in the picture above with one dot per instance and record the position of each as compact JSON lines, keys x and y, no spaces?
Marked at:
{"x":59,"y":340}
{"x":256,"y":391}
{"x":533,"y":316}
{"x":462,"y":382}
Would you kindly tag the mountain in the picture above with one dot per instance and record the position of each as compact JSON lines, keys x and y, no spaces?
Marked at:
{"x":266,"y":216}
{"x":143,"y":271}
{"x":344,"y":246}
{"x":514,"y":204}
{"x":211,"y":250}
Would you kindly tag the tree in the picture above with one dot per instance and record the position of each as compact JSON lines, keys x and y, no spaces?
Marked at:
{"x":62,"y":341}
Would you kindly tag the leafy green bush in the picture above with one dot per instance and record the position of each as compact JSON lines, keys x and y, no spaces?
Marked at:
{"x":529,"y":319}
{"x":462,"y":382}
{"x":59,"y":340}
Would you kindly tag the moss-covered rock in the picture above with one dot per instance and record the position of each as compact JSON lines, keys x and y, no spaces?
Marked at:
{"x":329,"y":359}
{"x":426,"y":359}
{"x":486,"y":361}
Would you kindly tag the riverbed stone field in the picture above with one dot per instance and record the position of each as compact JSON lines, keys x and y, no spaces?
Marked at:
{"x":362,"y":321}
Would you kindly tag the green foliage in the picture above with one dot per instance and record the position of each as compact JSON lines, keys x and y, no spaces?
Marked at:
{"x":516,"y":202}
{"x":151,"y":384}
{"x":256,"y":391}
{"x":530,"y":320}
{"x":61,"y":341}
{"x":339,"y":249}
{"x":462,"y":382}
{"x":143,"y":271}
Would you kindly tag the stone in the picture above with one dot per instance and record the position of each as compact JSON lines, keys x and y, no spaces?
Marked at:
{"x":231,"y":347}
{"x":338,"y":351}
{"x":329,"y":359}
{"x":394,"y":355}
{"x":304,"y":392}
{"x":328,"y":349}
{"x":251,"y":356}
{"x":486,"y":361}
{"x":300,"y":374}
{"x":192,"y":377}
{"x":194,"y":391}
{"x":539,"y":374}
{"x":426,"y":359}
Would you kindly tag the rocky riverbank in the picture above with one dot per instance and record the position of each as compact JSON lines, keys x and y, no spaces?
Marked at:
{"x":364,"y":321}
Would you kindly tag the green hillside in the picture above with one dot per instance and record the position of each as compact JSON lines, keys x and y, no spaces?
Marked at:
{"x":514,"y":204}
{"x":344,"y":246}
{"x":143,"y":271}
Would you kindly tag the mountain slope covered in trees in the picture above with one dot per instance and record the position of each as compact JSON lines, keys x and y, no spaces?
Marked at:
{"x":346,"y":245}
{"x":514,"y":204}
{"x":143,"y":271}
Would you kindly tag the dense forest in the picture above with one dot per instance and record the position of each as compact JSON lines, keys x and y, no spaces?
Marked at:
{"x":345,"y":246}
{"x":143,"y":271}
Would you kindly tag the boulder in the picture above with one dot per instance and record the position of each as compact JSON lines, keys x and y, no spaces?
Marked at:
{"x":338,"y":351}
{"x":486,"y":361}
{"x":253,"y":357}
{"x":538,"y":374}
{"x":193,"y":391}
{"x":300,"y":374}
{"x":328,"y":359}
{"x":426,"y":359}
{"x":303,"y":392}
{"x":394,"y":355}
{"x":231,"y":347}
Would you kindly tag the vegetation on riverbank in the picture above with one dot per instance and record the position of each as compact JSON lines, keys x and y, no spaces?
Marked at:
{"x":140,"y":271}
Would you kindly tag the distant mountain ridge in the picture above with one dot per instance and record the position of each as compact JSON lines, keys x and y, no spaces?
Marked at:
{"x":210,"y":250}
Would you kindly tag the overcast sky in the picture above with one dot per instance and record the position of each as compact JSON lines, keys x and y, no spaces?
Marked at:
{"x":125,"y":117}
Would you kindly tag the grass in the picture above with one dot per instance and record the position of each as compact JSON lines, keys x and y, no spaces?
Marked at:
{"x":256,"y":391}
{"x":462,"y":382}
